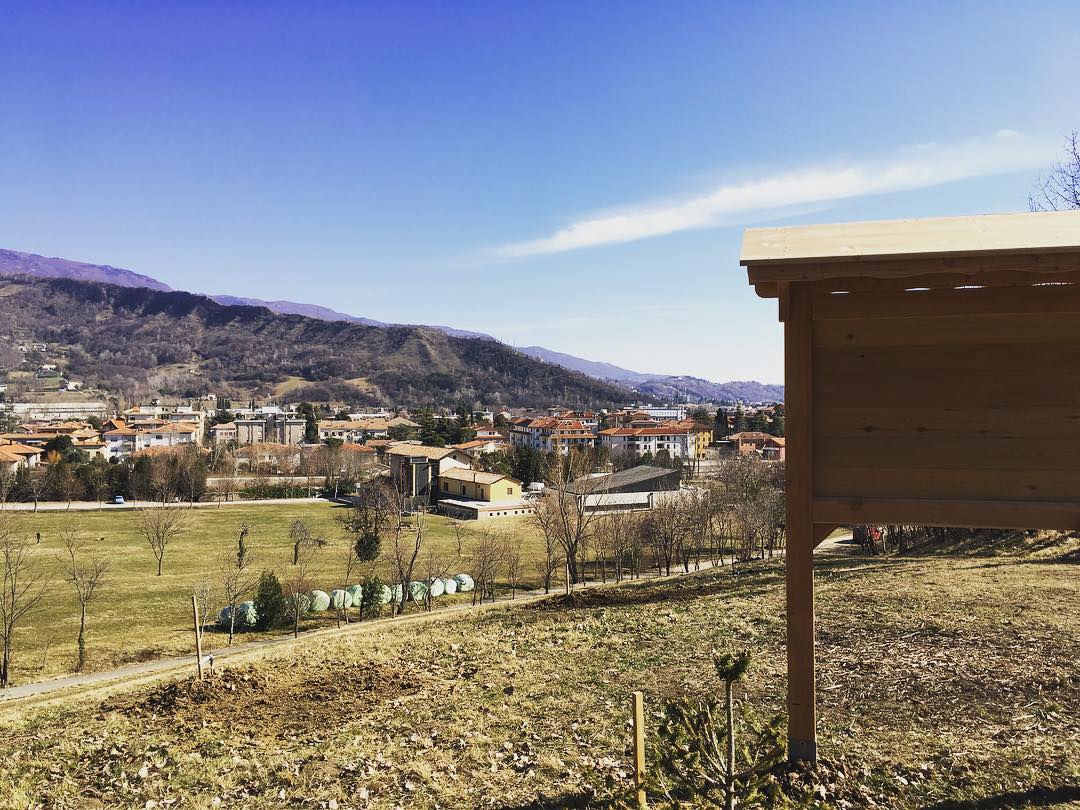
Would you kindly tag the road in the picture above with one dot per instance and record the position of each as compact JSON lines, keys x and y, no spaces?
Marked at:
{"x":93,"y":506}
{"x":149,"y":670}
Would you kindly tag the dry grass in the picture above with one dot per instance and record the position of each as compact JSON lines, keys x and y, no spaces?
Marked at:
{"x":139,"y":616}
{"x":942,"y":679}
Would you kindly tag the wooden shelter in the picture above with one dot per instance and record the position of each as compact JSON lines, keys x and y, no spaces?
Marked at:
{"x":933,"y":378}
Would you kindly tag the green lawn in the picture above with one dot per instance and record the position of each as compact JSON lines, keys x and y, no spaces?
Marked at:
{"x":140,"y":616}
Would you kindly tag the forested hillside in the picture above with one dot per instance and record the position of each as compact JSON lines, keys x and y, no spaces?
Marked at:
{"x":135,"y":341}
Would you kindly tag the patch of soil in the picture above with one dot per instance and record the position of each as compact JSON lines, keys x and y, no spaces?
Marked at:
{"x":958,"y":672}
{"x":711,"y":582}
{"x":287,"y":701}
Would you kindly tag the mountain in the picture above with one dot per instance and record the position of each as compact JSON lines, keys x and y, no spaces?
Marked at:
{"x":695,"y":389}
{"x":30,"y":264}
{"x":136,"y":342}
{"x":594,"y":368}
{"x":327,"y":314}
{"x":661,"y":386}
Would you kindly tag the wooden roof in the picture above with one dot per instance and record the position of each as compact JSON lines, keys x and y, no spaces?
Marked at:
{"x":1042,"y":232}
{"x":989,"y":250}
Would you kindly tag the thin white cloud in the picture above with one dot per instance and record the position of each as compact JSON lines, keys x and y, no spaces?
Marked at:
{"x":914,"y":167}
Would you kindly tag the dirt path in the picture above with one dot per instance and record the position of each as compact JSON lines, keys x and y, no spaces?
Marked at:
{"x":94,"y":506}
{"x":93,"y":683}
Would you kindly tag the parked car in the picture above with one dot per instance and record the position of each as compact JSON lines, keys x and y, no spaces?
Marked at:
{"x":118,"y":500}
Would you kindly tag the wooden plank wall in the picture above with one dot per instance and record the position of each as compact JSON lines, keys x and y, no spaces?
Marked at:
{"x":968,"y":394}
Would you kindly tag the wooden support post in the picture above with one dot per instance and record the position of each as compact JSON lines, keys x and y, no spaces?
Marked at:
{"x":798,"y":372}
{"x":566,"y":571}
{"x":198,"y":635}
{"x":639,"y":750}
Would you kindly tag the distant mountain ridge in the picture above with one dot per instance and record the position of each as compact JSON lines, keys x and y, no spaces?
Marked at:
{"x":30,"y":264}
{"x":660,"y":386}
{"x":135,"y":342}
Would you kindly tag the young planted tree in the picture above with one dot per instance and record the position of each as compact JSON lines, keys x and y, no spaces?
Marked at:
{"x":298,"y":580}
{"x":515,"y":568}
{"x":159,"y":526}
{"x":703,"y":763}
{"x":21,"y":589}
{"x":237,"y":578}
{"x":86,"y":572}
{"x":302,"y":537}
{"x":270,"y":603}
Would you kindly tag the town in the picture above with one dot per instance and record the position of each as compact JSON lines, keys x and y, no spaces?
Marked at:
{"x":539,"y":406}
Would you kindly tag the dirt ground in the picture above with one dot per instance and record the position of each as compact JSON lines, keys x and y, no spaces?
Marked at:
{"x":944,"y":681}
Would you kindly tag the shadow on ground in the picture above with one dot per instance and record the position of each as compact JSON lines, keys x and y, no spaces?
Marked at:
{"x":1032,"y":797}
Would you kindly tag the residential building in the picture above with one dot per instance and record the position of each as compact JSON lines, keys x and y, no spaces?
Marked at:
{"x":17,"y":455}
{"x":475,"y":495}
{"x":223,"y":433}
{"x":548,"y":434}
{"x":679,"y":440}
{"x":474,"y":485}
{"x":754,"y":442}
{"x":273,"y":426}
{"x":415,"y":468}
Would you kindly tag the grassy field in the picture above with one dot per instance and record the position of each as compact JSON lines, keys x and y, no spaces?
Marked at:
{"x":943,"y":680}
{"x":139,"y":616}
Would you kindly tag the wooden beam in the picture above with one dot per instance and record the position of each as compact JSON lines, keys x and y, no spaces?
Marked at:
{"x":949,"y":302}
{"x":964,"y":514}
{"x":822,"y":532}
{"x":799,"y":557}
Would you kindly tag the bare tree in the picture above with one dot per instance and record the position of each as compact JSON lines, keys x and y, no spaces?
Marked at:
{"x":668,"y":526}
{"x":487,"y":558}
{"x":515,"y":568}
{"x":297,"y":583}
{"x":552,"y":562}
{"x":405,"y":543}
{"x":86,"y":572}
{"x":159,"y":526}
{"x":38,"y":482}
{"x":303,"y":537}
{"x":21,"y":589}
{"x":461,"y":536}
{"x":237,"y":578}
{"x":7,"y":483}
{"x":617,"y":532}
{"x":1059,"y":188}
{"x":565,"y":513}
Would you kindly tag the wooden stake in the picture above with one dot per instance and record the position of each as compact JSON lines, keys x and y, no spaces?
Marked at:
{"x":566,"y":571}
{"x":198,"y":635}
{"x":639,"y":749}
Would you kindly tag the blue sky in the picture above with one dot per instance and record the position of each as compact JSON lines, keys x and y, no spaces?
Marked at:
{"x":574,"y":175}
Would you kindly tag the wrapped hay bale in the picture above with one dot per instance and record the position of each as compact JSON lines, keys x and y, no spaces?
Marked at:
{"x":246,"y":616}
{"x":340,"y":599}
{"x":436,"y":588}
{"x":450,"y":586}
{"x":417,"y":591}
{"x":396,"y":593}
{"x":356,"y":594}
{"x":305,"y":605}
{"x":384,"y":595}
{"x":318,"y":601}
{"x":464,"y":582}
